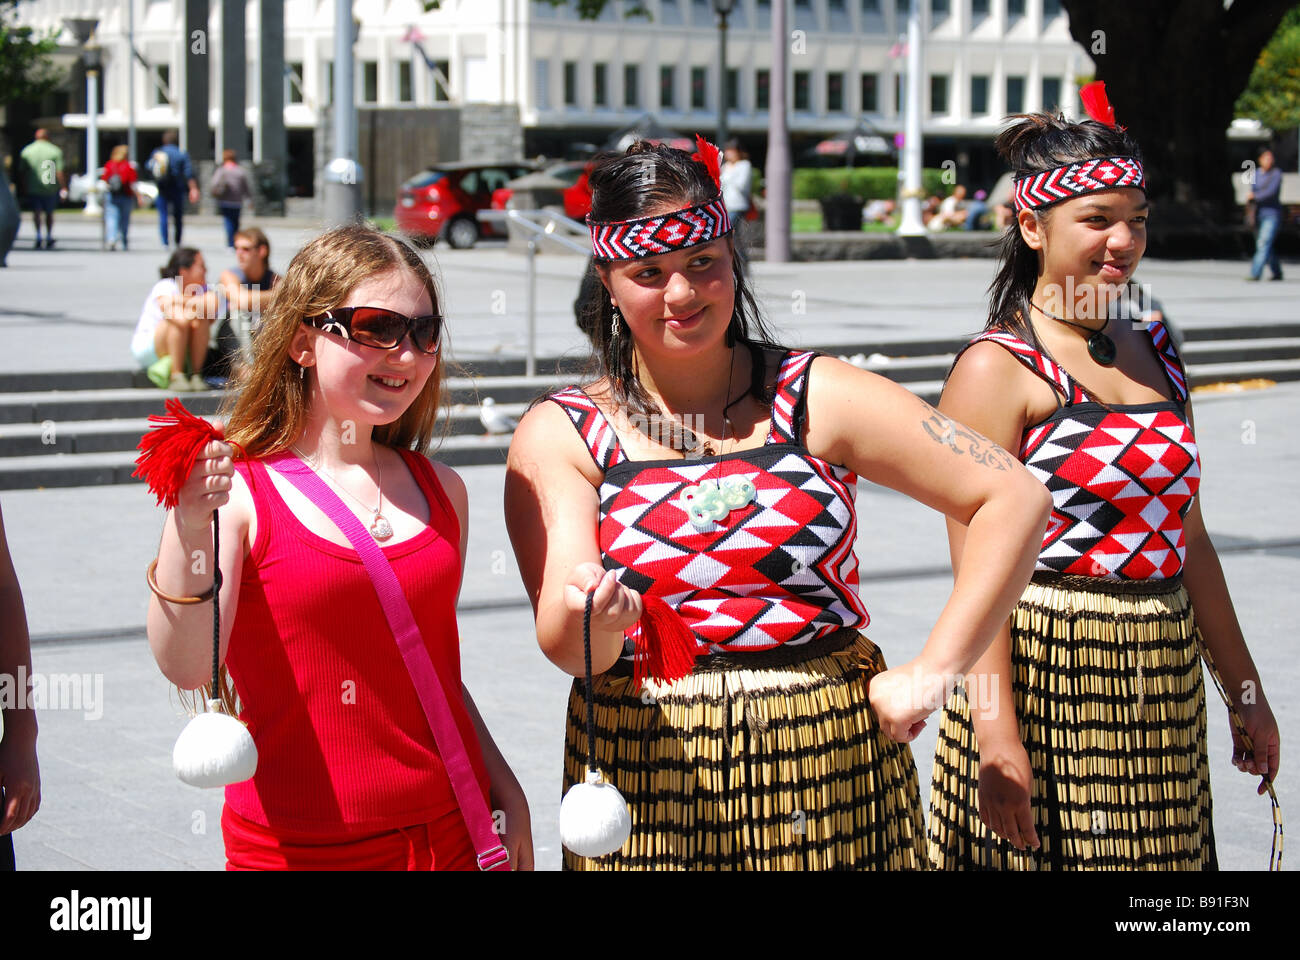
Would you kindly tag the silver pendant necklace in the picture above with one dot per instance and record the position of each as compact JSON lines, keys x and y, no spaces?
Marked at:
{"x":379,"y":527}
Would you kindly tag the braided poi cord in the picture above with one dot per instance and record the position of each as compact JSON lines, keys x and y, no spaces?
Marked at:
{"x":215,"y":693}
{"x":1275,"y":853}
{"x":591,"y":707}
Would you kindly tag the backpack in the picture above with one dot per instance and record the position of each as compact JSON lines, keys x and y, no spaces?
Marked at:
{"x":160,"y":169}
{"x":115,"y":185}
{"x":219,"y":188}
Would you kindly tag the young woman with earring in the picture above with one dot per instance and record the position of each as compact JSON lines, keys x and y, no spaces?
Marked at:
{"x":1087,"y":748}
{"x":700,"y":489}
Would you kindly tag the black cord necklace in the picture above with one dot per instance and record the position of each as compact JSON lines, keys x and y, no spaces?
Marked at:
{"x":1100,"y":347}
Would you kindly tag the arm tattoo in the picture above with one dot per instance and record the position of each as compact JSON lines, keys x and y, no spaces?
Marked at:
{"x":961,"y":441}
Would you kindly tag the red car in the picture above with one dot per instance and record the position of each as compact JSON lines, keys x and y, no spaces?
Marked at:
{"x":443,"y":201}
{"x":577,"y":194}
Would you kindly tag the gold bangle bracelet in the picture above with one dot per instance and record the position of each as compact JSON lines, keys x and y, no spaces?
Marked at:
{"x":203,"y":597}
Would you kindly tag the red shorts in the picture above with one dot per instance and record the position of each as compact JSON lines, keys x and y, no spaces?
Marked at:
{"x":443,"y":844}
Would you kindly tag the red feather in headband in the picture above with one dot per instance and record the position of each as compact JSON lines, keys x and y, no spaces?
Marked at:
{"x":709,"y":155}
{"x":168,"y":451}
{"x":1097,"y":104}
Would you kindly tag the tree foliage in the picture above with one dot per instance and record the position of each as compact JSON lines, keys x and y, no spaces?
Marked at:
{"x":1273,"y":95}
{"x":26,"y":71}
{"x":1174,"y":71}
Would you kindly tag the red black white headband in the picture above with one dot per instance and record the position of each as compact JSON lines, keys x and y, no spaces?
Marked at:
{"x":666,"y":232}
{"x":1042,"y":189}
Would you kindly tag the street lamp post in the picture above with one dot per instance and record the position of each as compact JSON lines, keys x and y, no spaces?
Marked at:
{"x":723,"y":9}
{"x":84,"y":29}
{"x":343,"y":174}
{"x":910,"y":224}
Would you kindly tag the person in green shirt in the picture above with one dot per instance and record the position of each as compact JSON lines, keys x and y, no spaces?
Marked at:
{"x":42,"y":167}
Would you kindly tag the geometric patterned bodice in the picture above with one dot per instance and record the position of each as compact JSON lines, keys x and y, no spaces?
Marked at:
{"x":1121,"y":477}
{"x":779,"y":570}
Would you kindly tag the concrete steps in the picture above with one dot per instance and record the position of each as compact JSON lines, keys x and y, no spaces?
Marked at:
{"x":79,"y":428}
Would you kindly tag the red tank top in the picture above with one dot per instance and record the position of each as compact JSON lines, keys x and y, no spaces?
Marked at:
{"x":343,"y":744}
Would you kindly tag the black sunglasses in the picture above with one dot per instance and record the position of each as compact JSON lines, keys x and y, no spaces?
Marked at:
{"x":377,"y":327}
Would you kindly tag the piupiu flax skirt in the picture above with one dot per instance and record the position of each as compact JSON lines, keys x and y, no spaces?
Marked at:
{"x":760,"y":761}
{"x":1111,"y":707}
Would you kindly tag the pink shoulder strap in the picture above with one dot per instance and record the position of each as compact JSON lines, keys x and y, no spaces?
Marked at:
{"x":433,"y":698}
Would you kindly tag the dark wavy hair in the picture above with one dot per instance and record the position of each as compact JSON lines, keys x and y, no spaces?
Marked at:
{"x":626,"y":186}
{"x":182,"y":258}
{"x":1031,"y":143}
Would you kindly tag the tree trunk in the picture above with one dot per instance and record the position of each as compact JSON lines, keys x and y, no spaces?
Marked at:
{"x":1173,"y":71}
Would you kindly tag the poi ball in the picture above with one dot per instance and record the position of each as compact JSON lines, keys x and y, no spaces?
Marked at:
{"x":214,"y":749}
{"x":594,"y":819}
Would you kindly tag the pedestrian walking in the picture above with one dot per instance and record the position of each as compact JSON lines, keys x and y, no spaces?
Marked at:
{"x":230,"y":189}
{"x":45,"y":182}
{"x":174,"y":175}
{"x":1266,"y":195}
{"x":119,"y":181}
{"x":1079,"y":741}
{"x":356,"y":767}
{"x":701,"y":491}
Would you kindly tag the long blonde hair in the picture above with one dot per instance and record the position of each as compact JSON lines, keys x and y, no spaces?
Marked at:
{"x":267,"y":408}
{"x":269,"y":401}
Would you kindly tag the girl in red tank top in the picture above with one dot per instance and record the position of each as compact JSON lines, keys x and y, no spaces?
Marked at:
{"x":345,"y":376}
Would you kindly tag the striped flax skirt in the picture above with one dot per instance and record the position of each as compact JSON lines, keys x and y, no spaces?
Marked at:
{"x":1111,"y":706}
{"x":762,"y":761}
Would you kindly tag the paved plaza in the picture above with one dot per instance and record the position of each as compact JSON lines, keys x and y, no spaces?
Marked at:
{"x":110,"y":798}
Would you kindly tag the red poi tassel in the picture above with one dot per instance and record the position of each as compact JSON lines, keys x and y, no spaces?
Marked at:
{"x":709,"y":155}
{"x":665,"y":645}
{"x":1096,"y":103}
{"x":168,"y":451}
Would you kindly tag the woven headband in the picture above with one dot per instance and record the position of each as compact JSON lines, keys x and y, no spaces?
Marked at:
{"x":666,"y":232}
{"x":1076,"y":180}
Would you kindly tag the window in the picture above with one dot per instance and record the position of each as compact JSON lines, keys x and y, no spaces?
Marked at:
{"x":762,"y":89}
{"x":1051,"y":9}
{"x":441,"y":81}
{"x":295,"y":82}
{"x":404,"y":81}
{"x":802,"y":90}
{"x":1015,"y":8}
{"x":699,"y":88}
{"x":667,"y":88}
{"x":162,"y":84}
{"x":733,"y":88}
{"x":898,"y":93}
{"x":835,"y":6}
{"x":1051,"y":94}
{"x":1015,"y":95}
{"x":979,"y":95}
{"x":869,"y":101}
{"x":834,"y":92}
{"x":979,"y":8}
{"x":369,"y":81}
{"x":938,"y":95}
{"x":328,"y":99}
{"x":542,"y":84}
{"x":871,"y":7}
{"x":600,"y":84}
{"x":902,"y":7}
{"x":570,"y":83}
{"x":939,"y":9}
{"x":631,"y":85}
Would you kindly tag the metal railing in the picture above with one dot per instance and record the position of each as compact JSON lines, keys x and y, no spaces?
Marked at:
{"x":540,"y":225}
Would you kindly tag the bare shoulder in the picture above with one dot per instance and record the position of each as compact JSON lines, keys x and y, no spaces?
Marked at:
{"x":991,"y":390}
{"x":546,"y":440}
{"x":451,"y":481}
{"x":239,"y":515}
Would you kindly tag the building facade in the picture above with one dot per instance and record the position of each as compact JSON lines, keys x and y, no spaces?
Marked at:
{"x":574,"y":81}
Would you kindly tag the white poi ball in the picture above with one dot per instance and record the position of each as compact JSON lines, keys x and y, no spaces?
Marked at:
{"x":594,"y":819}
{"x":213,"y":750}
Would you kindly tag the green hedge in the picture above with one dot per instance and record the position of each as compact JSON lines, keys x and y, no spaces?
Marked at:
{"x":869,"y":183}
